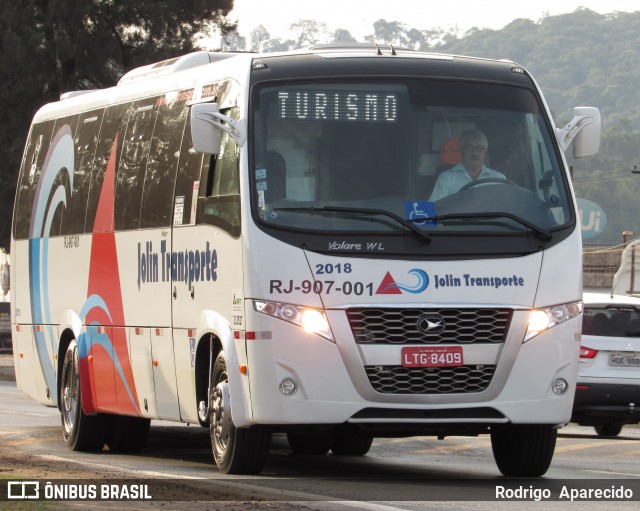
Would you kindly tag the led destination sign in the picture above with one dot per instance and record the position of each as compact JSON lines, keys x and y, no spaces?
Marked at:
{"x":332,"y":105}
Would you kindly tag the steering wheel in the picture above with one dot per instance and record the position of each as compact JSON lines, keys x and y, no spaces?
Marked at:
{"x":487,"y":180}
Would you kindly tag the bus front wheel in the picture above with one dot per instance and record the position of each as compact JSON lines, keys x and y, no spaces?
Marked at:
{"x":523,"y":450}
{"x":235,"y":450}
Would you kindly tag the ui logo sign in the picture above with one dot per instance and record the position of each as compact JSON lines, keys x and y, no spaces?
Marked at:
{"x":592,"y":218}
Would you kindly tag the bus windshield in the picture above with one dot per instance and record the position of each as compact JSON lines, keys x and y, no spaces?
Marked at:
{"x":443,"y":156}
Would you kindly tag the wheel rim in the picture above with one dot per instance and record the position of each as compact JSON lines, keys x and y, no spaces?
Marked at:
{"x":70,"y":393}
{"x":221,"y":425}
{"x":202,"y":411}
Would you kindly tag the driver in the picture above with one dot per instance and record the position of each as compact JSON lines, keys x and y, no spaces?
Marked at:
{"x":473,"y":150}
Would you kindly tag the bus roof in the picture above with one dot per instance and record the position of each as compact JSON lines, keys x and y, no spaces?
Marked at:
{"x":187,"y":71}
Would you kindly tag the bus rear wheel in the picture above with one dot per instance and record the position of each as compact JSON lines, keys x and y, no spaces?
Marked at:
{"x":523,"y":450}
{"x":80,"y":432}
{"x":351,"y":445}
{"x":128,"y":434}
{"x":235,"y":450}
{"x":318,"y":443}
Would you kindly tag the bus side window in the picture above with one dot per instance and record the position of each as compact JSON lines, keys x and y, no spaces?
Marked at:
{"x":56,"y":208}
{"x":219,"y":203}
{"x":160,"y":176}
{"x":109,"y":130}
{"x":34,"y":155}
{"x":224,"y":178}
{"x":60,"y":182}
{"x":85,"y":144}
{"x":140,"y":120}
{"x":187,"y":181}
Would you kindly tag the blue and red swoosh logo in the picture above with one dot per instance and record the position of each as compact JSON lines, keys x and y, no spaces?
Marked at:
{"x":419,"y":282}
{"x":110,"y":382}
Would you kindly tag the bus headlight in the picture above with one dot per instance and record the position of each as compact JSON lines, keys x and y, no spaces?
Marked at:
{"x":312,"y":320}
{"x":541,"y":320}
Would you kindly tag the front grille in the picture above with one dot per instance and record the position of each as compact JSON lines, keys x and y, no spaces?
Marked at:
{"x":441,"y":380}
{"x":400,"y":326}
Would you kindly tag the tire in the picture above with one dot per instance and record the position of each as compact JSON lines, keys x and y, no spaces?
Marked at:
{"x":235,"y":450}
{"x":314,"y":444}
{"x":128,"y":434}
{"x":351,"y":445}
{"x":523,"y":450}
{"x":80,"y":432}
{"x":611,"y":429}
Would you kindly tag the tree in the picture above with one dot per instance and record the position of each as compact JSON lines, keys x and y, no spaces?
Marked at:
{"x":342,"y":35}
{"x":53,"y":46}
{"x":259,"y":38}
{"x":416,"y":39}
{"x":308,"y":33}
{"x":233,"y":41}
{"x":390,"y":32}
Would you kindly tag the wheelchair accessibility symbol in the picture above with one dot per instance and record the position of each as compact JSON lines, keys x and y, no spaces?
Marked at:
{"x":420,"y":212}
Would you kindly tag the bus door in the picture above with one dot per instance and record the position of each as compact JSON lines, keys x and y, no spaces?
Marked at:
{"x":206,"y":232}
{"x":185,"y":247}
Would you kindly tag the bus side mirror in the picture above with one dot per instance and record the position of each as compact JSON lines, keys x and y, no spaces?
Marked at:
{"x":207,"y":124}
{"x":583,"y":130}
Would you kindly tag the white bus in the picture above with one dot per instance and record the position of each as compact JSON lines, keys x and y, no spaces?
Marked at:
{"x":247,"y":242}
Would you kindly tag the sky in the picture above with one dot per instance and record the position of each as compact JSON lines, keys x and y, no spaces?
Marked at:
{"x":358,"y":16}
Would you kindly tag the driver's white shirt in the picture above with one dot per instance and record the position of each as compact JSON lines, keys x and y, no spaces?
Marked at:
{"x":450,"y":181}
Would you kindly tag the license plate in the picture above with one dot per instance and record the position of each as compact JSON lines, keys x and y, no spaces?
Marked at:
{"x":432,"y":356}
{"x":624,"y":359}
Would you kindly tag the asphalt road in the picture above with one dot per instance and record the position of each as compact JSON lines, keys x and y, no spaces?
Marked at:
{"x":408,"y":474}
{"x":397,"y":474}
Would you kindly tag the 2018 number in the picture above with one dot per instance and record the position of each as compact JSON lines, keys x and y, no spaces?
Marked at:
{"x":328,"y":269}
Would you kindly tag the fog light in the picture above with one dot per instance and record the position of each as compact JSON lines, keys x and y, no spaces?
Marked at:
{"x":288,"y":387}
{"x":559,"y":386}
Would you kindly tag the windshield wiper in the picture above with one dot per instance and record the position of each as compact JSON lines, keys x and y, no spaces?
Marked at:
{"x":365,"y":211}
{"x":542,"y":233}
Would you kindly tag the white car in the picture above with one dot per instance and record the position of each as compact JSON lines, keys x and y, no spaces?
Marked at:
{"x":608,"y":389}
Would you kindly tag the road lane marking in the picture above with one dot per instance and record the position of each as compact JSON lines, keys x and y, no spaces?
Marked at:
{"x":30,"y":441}
{"x":444,"y":449}
{"x":626,"y":454}
{"x":32,"y":414}
{"x":22,"y":431}
{"x":591,"y":445}
{"x":612,"y":473}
